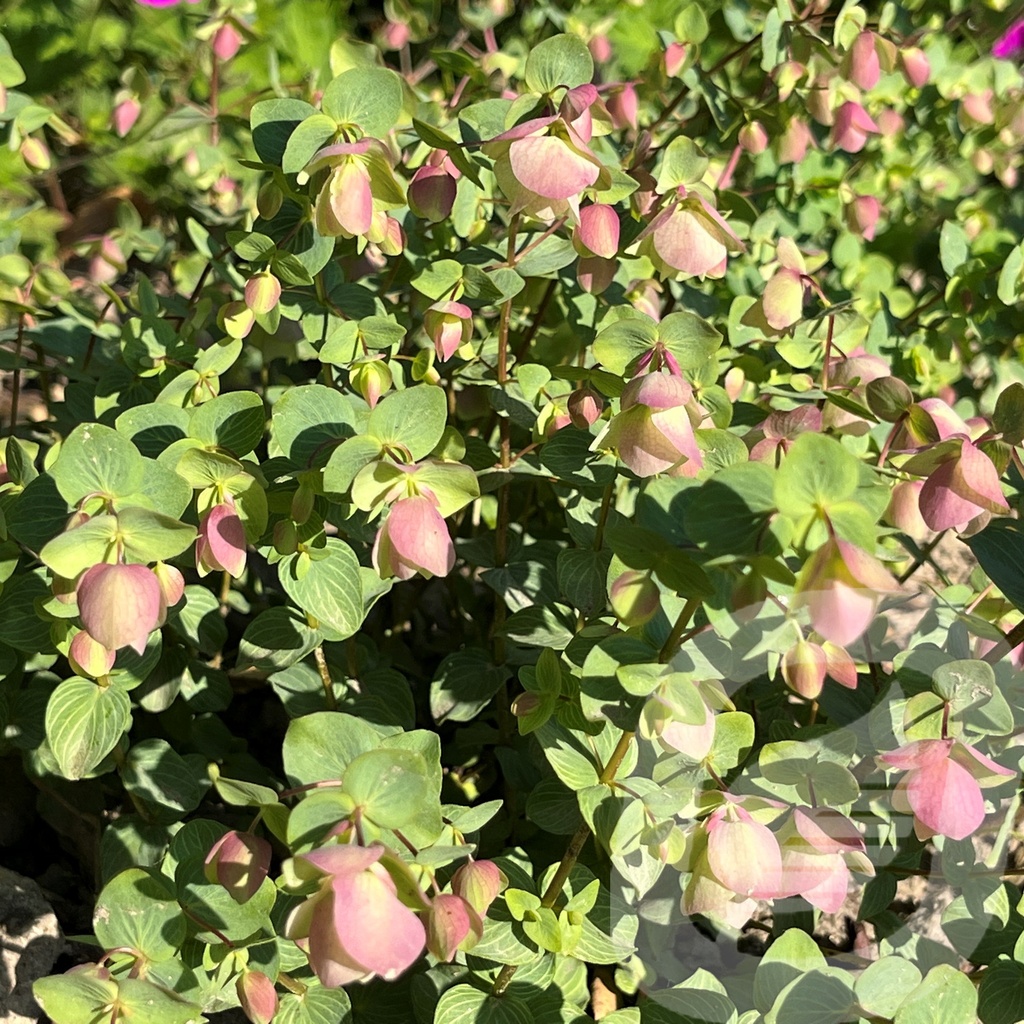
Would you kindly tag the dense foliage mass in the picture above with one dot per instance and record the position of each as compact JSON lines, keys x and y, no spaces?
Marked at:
{"x":466,"y":471}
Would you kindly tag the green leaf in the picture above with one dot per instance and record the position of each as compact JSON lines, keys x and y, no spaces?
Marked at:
{"x":954,"y":247}
{"x":273,"y":122}
{"x":316,"y":1005}
{"x":413,"y":419}
{"x":141,"y":1000}
{"x":211,"y":904}
{"x":945,"y":995}
{"x":816,"y":473}
{"x":1008,"y":416}
{"x":1001,"y":993}
{"x":1008,"y":288}
{"x":161,"y":781}
{"x":821,"y":996}
{"x":97,"y":460}
{"x":463,"y":685}
{"x":153,"y":427}
{"x":151,"y":536}
{"x":390,"y":785}
{"x":622,"y":343}
{"x":791,"y":955}
{"x":307,"y":138}
{"x":682,"y":163}
{"x":582,"y":573}
{"x":330,"y":590}
{"x":77,"y":550}
{"x":234,"y":421}
{"x":76,"y":998}
{"x":83,"y":723}
{"x":883,"y":986}
{"x":464,"y":1004}
{"x":999,"y":549}
{"x":309,"y":421}
{"x":276,"y":639}
{"x":251,"y":246}
{"x":137,"y":909}
{"x":559,"y":60}
{"x":322,"y":745}
{"x":368,"y":97}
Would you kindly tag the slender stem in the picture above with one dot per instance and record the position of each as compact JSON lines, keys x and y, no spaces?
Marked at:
{"x":325,"y":677}
{"x":921,"y":558}
{"x":215,"y":100}
{"x":290,"y":983}
{"x":225,"y":592}
{"x":675,"y":637}
{"x":602,"y":520}
{"x":828,"y":351}
{"x":571,"y":855}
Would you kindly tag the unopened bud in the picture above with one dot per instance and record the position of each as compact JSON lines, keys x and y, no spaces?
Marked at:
{"x":227,"y":41}
{"x":239,"y":861}
{"x":262,"y":292}
{"x":585,"y":405}
{"x":36,"y":155}
{"x":635,"y":598}
{"x":803,"y":669}
{"x":256,"y":996}
{"x":236,"y":319}
{"x":371,"y":378}
{"x":479,"y":882}
{"x":753,"y":138}
{"x":269,"y":200}
{"x":88,"y":657}
{"x":286,"y":537}
{"x":302,"y":504}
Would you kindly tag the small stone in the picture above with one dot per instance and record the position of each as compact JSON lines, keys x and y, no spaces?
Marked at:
{"x":30,"y":942}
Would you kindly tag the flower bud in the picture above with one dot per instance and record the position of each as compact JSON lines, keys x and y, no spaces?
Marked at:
{"x":262,"y":292}
{"x":286,"y":537}
{"x":36,"y":155}
{"x":852,"y":127}
{"x":915,"y":66}
{"x":269,"y":200}
{"x":595,"y":273}
{"x":623,"y":106}
{"x":239,"y":861}
{"x":172,"y":583}
{"x":221,"y":543}
{"x":302,"y":504}
{"x":525,"y":704}
{"x":585,"y":405}
{"x":786,"y":77}
{"x":864,"y":66}
{"x":450,"y":325}
{"x":600,"y":49}
{"x":479,"y":882}
{"x":598,"y":231}
{"x":753,"y":138}
{"x":371,"y":378}
{"x":452,"y":924}
{"x":227,"y":41}
{"x":904,"y":511}
{"x":635,"y":598}
{"x":794,"y":142}
{"x":976,"y":108}
{"x":120,"y":605}
{"x":89,"y":658}
{"x":432,"y":193}
{"x":803,"y":669}
{"x":236,"y":320}
{"x":126,"y":113}
{"x":862,"y":216}
{"x":256,"y":996}
{"x":675,"y":59}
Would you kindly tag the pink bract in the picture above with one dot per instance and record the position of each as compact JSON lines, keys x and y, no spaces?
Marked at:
{"x":120,"y":605}
{"x":355,"y":927}
{"x":413,"y":539}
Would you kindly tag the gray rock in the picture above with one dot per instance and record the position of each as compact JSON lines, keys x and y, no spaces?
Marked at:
{"x":30,"y":942}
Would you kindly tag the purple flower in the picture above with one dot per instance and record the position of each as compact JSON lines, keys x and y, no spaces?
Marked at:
{"x":1011,"y":43}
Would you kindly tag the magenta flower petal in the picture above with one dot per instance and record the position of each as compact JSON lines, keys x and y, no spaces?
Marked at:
{"x":351,"y":199}
{"x":1011,"y":43}
{"x":120,"y":605}
{"x":852,"y":127}
{"x":919,"y":754}
{"x":599,"y":229}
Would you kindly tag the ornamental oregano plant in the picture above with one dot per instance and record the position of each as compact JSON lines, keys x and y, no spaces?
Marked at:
{"x":509,"y":512}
